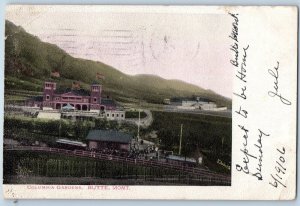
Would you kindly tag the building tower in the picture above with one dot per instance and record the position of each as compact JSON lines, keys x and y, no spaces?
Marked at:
{"x":49,"y":89}
{"x":95,"y":99}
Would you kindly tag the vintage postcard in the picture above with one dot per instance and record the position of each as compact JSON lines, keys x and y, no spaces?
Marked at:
{"x":150,"y":102}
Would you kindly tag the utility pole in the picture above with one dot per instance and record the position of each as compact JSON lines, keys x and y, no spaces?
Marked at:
{"x":138,"y":134}
{"x":222,"y":145}
{"x":59,"y":129}
{"x":180,"y":139}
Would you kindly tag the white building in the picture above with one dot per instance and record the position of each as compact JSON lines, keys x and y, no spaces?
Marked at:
{"x":115,"y":115}
{"x":208,"y":106}
{"x":189,"y":103}
{"x":192,"y":105}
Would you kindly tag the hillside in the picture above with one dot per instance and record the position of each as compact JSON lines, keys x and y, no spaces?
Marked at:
{"x":29,"y":61}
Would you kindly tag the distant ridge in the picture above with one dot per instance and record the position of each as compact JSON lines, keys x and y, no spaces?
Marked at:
{"x":29,"y":62}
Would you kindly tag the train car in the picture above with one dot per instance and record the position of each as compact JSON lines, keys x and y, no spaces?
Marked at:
{"x":182,"y":161}
{"x":70,"y":144}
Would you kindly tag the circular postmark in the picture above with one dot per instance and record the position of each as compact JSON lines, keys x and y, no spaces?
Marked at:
{"x":169,"y":44}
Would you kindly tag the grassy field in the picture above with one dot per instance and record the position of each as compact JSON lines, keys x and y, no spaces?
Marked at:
{"x":202,"y":130}
{"x":52,"y":165}
{"x":41,"y":168}
{"x":209,"y":135}
{"x":135,"y":114}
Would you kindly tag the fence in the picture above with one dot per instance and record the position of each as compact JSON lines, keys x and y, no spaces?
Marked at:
{"x":204,"y":174}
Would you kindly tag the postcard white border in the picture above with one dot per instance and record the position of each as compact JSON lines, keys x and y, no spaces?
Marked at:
{"x":243,"y":187}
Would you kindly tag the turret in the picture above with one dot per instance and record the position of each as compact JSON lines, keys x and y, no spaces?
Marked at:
{"x":49,"y":89}
{"x":95,"y":100}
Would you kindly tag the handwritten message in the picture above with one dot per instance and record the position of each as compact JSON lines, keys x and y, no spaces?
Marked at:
{"x":252,"y":154}
{"x":275,"y":91}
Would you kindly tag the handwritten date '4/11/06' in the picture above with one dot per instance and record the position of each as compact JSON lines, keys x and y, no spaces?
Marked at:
{"x":275,"y":93}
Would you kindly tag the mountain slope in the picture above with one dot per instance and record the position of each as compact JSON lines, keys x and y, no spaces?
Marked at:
{"x":29,"y":61}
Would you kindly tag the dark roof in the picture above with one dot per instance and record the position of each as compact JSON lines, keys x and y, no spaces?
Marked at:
{"x":109,"y":136}
{"x":78,"y":92}
{"x":37,"y":99}
{"x":81,"y":92}
{"x":108,"y":102}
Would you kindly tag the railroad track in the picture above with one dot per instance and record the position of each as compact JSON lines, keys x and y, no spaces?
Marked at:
{"x":195,"y":171}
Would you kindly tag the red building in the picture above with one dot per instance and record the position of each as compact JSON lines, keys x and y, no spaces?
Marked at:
{"x":78,"y":98}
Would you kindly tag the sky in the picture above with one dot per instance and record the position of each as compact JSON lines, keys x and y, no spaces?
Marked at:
{"x":184,"y":44}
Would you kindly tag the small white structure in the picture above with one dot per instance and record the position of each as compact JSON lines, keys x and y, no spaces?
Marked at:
{"x":189,"y":103}
{"x":208,"y":106}
{"x":220,"y":109}
{"x":115,"y":115}
{"x":194,"y":105}
{"x":54,"y":115}
{"x":95,"y":111}
{"x":167,"y":101}
{"x":200,"y":160}
{"x":47,"y":108}
{"x":186,"y":107}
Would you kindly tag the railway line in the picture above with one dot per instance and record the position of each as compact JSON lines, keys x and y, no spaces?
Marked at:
{"x":204,"y":174}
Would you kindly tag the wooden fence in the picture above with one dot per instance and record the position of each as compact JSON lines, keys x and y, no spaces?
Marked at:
{"x":204,"y":174}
